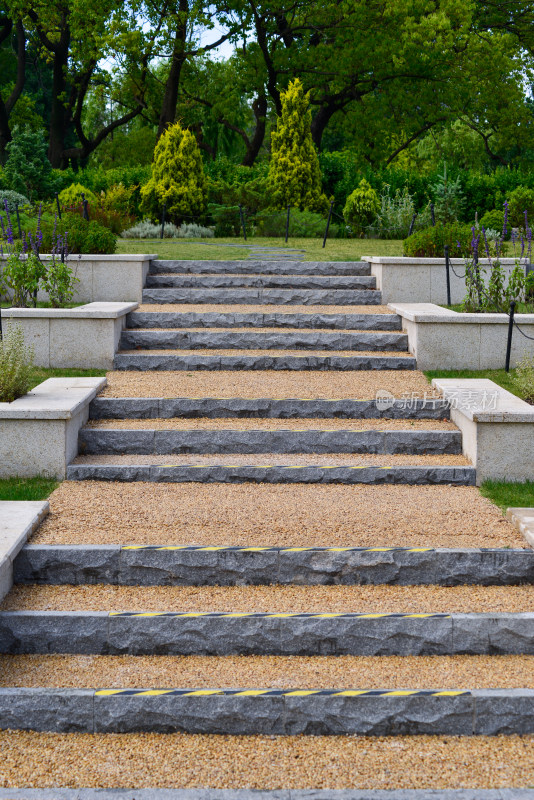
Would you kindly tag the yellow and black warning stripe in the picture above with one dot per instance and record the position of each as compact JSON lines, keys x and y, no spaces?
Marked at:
{"x":283,"y":692}
{"x":270,"y":615}
{"x":212,"y":548}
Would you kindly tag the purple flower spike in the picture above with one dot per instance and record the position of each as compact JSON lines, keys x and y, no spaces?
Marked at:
{"x":486,"y":245}
{"x":526,"y":220}
{"x":505,"y":223}
{"x":458,"y":245}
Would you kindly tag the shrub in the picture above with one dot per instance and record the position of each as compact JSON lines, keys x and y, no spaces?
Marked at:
{"x":16,"y":361}
{"x":82,"y":236}
{"x":301,"y":223}
{"x":177,"y":179}
{"x":27,"y":169}
{"x":493,"y":220}
{"x":119,"y":198}
{"x":23,"y":274}
{"x":521,"y":200}
{"x":448,"y":198}
{"x":71,"y":197}
{"x":59,"y":282}
{"x":148,"y":230}
{"x":13,"y":199}
{"x":191,"y":230}
{"x":114,"y":220}
{"x":294,"y":171}
{"x":395,"y":216}
{"x":524,"y":378}
{"x":430,"y":242}
{"x":361,"y":207}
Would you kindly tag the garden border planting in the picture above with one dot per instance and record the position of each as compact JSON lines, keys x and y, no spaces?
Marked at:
{"x":39,"y":431}
{"x":497,"y":427}
{"x":443,"y":339}
{"x":18,"y":520}
{"x":86,"y":337}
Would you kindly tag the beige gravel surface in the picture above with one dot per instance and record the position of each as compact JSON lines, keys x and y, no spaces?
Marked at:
{"x":255,"y":424}
{"x":274,"y":353}
{"x":264,"y":762}
{"x":281,"y":459}
{"x":275,"y":672}
{"x":182,"y":308}
{"x":274,"y":515}
{"x":353,"y":384}
{"x":276,"y":599}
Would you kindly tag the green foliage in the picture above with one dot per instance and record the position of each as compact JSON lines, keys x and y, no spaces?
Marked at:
{"x":306,"y":224}
{"x":294,"y":172}
{"x":59,"y":282}
{"x":493,"y":220}
{"x":448,"y":198}
{"x":430,"y":242}
{"x":26,"y":488}
{"x":82,"y":236}
{"x":23,"y":275}
{"x":508,"y":494}
{"x":119,"y":198}
{"x":361,"y":207}
{"x":71,"y":196}
{"x":524,"y":378}
{"x":177,"y":179}
{"x":395,"y":216}
{"x":496,"y":293}
{"x":27,"y":169}
{"x":521,"y":200}
{"x":13,"y":199}
{"x":16,"y":360}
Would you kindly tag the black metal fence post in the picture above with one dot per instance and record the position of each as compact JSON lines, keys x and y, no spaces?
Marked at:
{"x":163,"y":213}
{"x":287,"y":222}
{"x":18,"y":219}
{"x":510,"y":332}
{"x":85,"y":212}
{"x":412,"y":224}
{"x":328,"y":222}
{"x":432,"y":215}
{"x":58,"y":206}
{"x":242,"y":217}
{"x":0,"y":321}
{"x":447,"y":270}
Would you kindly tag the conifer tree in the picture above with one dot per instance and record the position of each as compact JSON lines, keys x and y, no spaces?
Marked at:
{"x":177,"y":179}
{"x":294,"y":171}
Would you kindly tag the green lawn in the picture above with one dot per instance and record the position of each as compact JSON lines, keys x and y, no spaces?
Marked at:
{"x":40,"y":374}
{"x":509,"y":495}
{"x":26,"y":488}
{"x":500,"y":376}
{"x":521,"y":308}
{"x":335,"y":250}
{"x":42,"y":305}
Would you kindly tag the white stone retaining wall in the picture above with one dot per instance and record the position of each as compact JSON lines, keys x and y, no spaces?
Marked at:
{"x":18,"y":520}
{"x":39,"y":432}
{"x":120,"y":278}
{"x":86,"y":337}
{"x":497,"y":428}
{"x":422,"y":280}
{"x":443,"y":339}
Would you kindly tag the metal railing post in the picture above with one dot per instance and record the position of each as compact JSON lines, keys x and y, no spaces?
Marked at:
{"x":287,"y":223}
{"x":432,"y":215}
{"x":163,"y":212}
{"x":242,"y":217}
{"x":412,"y":224}
{"x":447,"y":271}
{"x":85,"y":212}
{"x":58,"y":206}
{"x":510,"y":332}
{"x":328,"y":222}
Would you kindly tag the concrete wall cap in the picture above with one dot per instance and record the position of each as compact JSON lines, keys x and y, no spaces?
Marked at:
{"x":87,"y":311}
{"x":102,"y":257}
{"x":523,"y":520}
{"x":406,"y":261}
{"x":55,"y":398}
{"x":482,"y":400}
{"x":429,"y":312}
{"x":18,"y":520}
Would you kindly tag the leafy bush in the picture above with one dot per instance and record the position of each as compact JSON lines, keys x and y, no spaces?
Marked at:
{"x":361,"y":207}
{"x":448,"y":198}
{"x":492,"y":220}
{"x":177,"y":179}
{"x":114,"y":220}
{"x":27,"y":169}
{"x":191,"y":230}
{"x":13,"y":199}
{"x":301,"y":224}
{"x":23,"y":275}
{"x":82,"y":236}
{"x":430,"y":242}
{"x":119,"y":198}
{"x":395,"y":216}
{"x":148,"y":230}
{"x":521,"y":200}
{"x":59,"y":282}
{"x":524,"y":378}
{"x":16,"y":361}
{"x":226,"y":218}
{"x":71,"y":197}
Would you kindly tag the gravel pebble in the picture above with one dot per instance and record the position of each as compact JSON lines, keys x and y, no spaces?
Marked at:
{"x":264,"y":762}
{"x":93,"y":512}
{"x":275,"y":672}
{"x":256,"y":424}
{"x":284,"y":459}
{"x":296,"y":599}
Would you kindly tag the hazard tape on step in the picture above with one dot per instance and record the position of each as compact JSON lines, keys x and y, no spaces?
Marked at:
{"x":212,"y":548}
{"x":281,"y":692}
{"x":271,"y":615}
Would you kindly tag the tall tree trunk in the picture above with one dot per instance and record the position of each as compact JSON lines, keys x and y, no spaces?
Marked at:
{"x":170,"y":97}
{"x":259,"y":106}
{"x":59,"y":114}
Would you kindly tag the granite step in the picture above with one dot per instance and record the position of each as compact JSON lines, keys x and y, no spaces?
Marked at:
{"x":267,"y":319}
{"x":167,"y":565}
{"x":321,"y":297}
{"x":223,"y":281}
{"x":262,"y":267}
{"x":266,"y":339}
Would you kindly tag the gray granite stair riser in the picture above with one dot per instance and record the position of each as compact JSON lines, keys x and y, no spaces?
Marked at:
{"x":260,"y":282}
{"x":479,"y":712}
{"x":92,"y":441}
{"x":431,"y":475}
{"x":97,"y":633}
{"x":271,"y":319}
{"x":258,"y":794}
{"x":261,"y":340}
{"x":111,"y":564}
{"x":296,"y":297}
{"x":189,"y":361}
{"x":267,"y":408}
{"x":262,"y":267}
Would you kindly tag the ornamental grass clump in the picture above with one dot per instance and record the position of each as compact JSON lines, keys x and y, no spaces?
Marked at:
{"x":16,"y":362}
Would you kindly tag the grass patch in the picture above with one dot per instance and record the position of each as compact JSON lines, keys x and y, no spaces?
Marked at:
{"x":521,"y":308}
{"x":40,"y":374}
{"x":335,"y":250}
{"x":499,"y":376}
{"x":509,"y":495}
{"x":26,"y":488}
{"x":43,"y":305}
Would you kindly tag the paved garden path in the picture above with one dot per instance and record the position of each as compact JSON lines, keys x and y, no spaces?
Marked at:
{"x":249,"y":543}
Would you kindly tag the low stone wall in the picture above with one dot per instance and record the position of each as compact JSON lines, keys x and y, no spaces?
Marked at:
{"x":443,"y":339}
{"x":39,"y":432}
{"x":497,"y":428}
{"x":86,"y":337}
{"x":18,"y":520}
{"x":421,"y":280}
{"x":120,"y":278}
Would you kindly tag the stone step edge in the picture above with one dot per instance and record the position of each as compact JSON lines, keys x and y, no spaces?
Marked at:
{"x":321,"y":321}
{"x":477,"y":712}
{"x":414,"y":475}
{"x":266,"y":633}
{"x":260,"y":794}
{"x":196,"y":565}
{"x":132,"y":360}
{"x":384,"y":406}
